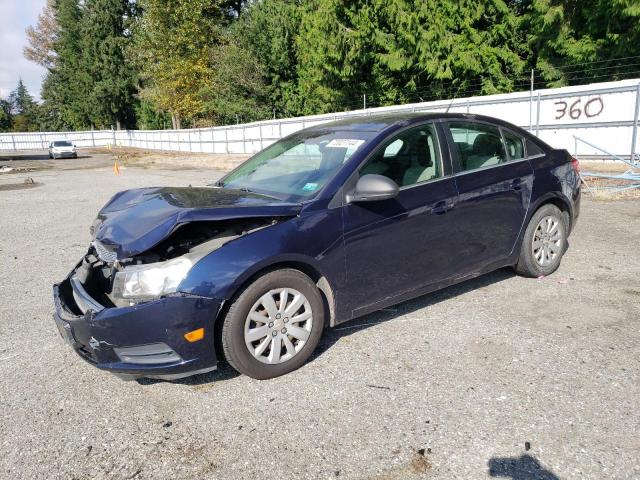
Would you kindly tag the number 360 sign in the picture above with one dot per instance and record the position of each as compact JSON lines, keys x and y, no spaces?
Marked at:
{"x":576,"y":109}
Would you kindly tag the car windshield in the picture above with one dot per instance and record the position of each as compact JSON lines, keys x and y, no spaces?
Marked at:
{"x":297,"y":167}
{"x":62,"y":143}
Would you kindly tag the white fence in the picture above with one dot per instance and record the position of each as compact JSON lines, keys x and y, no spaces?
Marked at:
{"x":606,"y":114}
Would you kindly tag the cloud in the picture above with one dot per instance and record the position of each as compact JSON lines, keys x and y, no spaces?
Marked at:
{"x":15,"y":17}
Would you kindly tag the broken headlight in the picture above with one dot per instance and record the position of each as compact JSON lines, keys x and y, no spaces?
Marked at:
{"x":153,"y":279}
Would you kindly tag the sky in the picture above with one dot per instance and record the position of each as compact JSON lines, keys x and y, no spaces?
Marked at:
{"x":15,"y":16}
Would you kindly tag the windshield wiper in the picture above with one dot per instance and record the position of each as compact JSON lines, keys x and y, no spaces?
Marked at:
{"x":248,"y":190}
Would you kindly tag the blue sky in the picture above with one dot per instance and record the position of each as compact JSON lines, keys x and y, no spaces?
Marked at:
{"x":15,"y":16}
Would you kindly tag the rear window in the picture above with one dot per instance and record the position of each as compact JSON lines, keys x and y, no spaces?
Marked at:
{"x":533,"y":149}
{"x":515,"y":145}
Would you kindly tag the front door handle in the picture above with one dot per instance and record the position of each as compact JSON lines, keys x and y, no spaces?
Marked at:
{"x":516,"y":185}
{"x":441,"y":208}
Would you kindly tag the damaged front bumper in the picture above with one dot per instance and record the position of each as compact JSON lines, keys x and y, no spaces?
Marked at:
{"x":143,"y":340}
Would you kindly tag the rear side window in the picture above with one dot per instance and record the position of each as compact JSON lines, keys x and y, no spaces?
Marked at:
{"x":533,"y":149}
{"x":479,"y":145}
{"x":515,"y":145}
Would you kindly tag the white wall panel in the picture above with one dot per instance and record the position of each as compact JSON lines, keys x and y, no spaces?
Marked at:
{"x":600,"y":113}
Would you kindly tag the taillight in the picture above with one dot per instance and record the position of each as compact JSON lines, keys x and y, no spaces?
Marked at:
{"x":575,"y":164}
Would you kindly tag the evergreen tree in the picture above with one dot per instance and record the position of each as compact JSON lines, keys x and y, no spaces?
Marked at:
{"x":268,"y":30}
{"x":23,"y":109}
{"x":111,"y":79}
{"x":235,"y":89}
{"x":21,"y":101}
{"x":65,"y":93}
{"x":564,"y":35}
{"x":6,"y":119}
{"x":405,"y":50}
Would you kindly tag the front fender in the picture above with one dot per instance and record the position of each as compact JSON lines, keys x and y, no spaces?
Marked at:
{"x":314,"y":239}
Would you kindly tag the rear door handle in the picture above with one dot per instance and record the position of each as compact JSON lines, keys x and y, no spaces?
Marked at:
{"x":441,"y":208}
{"x":516,"y":185}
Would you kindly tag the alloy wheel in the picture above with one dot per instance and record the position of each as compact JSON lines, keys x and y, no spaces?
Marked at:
{"x":278,"y":325}
{"x":547,"y":240}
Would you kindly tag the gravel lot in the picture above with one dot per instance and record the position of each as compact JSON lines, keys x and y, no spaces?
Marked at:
{"x":500,"y":377}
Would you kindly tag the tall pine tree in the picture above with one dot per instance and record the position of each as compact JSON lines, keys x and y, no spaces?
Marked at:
{"x":111,"y":79}
{"x":405,"y":50}
{"x":65,"y":91}
{"x":23,"y":109}
{"x":565,"y":35}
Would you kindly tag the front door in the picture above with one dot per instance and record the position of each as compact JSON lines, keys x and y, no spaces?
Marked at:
{"x":399,"y":245}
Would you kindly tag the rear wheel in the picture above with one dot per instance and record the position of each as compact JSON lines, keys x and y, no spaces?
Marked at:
{"x":544,"y":243}
{"x":274,"y":325}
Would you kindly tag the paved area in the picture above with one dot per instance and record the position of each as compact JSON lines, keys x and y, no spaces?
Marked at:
{"x":499,"y":377}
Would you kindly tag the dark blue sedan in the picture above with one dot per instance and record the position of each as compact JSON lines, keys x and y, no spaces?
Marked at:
{"x":323,"y":226}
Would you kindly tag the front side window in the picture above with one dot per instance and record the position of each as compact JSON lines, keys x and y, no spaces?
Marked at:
{"x":478,"y":145}
{"x":297,"y":167}
{"x":408,"y":158}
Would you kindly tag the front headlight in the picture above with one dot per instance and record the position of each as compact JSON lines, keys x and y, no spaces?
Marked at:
{"x":153,"y":279}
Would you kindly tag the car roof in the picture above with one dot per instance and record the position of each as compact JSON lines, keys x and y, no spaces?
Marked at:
{"x":382,"y":121}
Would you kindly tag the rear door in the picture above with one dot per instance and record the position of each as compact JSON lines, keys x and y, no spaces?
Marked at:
{"x":494,"y":182}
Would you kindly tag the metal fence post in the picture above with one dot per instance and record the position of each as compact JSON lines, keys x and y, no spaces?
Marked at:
{"x":538,"y":116}
{"x":634,"y":135}
{"x":244,"y":140}
{"x":531,"y":104}
{"x":13,"y":141}
{"x":279,"y":129}
{"x":93,"y":138}
{"x":226,"y":140}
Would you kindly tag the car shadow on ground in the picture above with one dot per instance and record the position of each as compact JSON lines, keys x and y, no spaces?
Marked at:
{"x":524,"y":467}
{"x":16,"y":157}
{"x":331,"y":336}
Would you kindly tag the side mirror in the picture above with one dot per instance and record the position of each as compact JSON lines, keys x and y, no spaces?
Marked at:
{"x":371,"y":188}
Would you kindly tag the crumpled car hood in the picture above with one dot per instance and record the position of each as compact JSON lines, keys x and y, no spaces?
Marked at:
{"x":134,"y":221}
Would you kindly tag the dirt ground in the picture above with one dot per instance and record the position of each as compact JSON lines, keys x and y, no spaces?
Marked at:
{"x":498,"y":377}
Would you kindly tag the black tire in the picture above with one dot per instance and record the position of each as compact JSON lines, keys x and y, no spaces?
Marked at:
{"x":232,"y":333}
{"x":527,"y":264}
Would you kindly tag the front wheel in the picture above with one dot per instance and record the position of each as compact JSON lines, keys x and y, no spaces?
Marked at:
{"x":544,"y":243}
{"x":274,"y":325}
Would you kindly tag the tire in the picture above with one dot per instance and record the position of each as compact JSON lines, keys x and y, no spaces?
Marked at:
{"x":284,"y":351}
{"x":548,"y":229}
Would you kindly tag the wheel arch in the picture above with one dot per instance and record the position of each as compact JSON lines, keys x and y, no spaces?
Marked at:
{"x":559,"y":201}
{"x":324,"y":286}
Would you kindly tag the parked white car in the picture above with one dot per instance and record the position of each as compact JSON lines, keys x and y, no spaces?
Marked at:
{"x":62,"y":149}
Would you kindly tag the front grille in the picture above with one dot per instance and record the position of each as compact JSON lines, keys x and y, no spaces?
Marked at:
{"x":104,"y":254}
